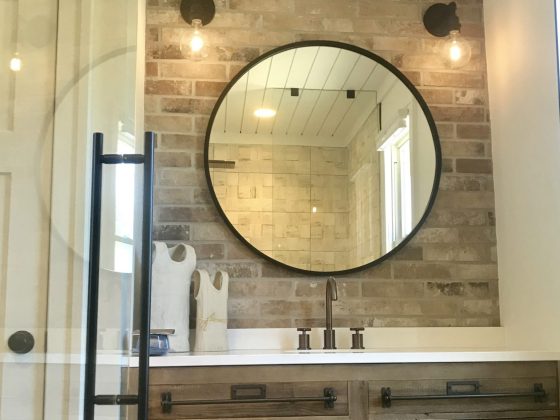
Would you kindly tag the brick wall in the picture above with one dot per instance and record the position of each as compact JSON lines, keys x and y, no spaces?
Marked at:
{"x":446,"y":276}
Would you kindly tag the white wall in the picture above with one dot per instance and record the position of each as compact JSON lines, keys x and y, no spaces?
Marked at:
{"x":523,"y":89}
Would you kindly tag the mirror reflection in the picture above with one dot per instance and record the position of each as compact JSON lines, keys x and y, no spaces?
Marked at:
{"x":321,"y":158}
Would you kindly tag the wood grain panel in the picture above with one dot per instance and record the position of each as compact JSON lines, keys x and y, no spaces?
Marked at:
{"x":418,"y":371}
{"x":427,"y":387}
{"x":359,"y":389}
{"x":279,"y":418}
{"x":274,"y":390}
{"x":519,"y":415}
{"x":358,"y":402}
{"x":496,"y":378}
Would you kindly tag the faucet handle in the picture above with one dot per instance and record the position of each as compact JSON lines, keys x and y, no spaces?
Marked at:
{"x":304,"y":339}
{"x":357,"y":338}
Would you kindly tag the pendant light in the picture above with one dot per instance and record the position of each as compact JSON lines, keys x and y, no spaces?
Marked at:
{"x":197,"y":13}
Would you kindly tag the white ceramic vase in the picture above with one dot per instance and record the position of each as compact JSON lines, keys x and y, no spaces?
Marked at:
{"x":211,"y":311}
{"x":172,"y":269}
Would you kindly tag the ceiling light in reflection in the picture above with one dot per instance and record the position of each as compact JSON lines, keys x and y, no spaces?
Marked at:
{"x":15,"y":63}
{"x":314,"y":210}
{"x":265,"y":113}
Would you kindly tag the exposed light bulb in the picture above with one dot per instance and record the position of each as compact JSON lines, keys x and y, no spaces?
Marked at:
{"x":265,"y":113}
{"x":456,"y":51}
{"x":197,"y":41}
{"x":15,"y":63}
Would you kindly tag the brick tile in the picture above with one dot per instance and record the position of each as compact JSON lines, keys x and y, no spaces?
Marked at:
{"x":393,"y":289}
{"x":463,"y":148}
{"x":328,"y":8}
{"x":458,"y":114}
{"x":180,"y":142}
{"x":168,"y":87}
{"x":187,"y":105}
{"x":473,"y":131}
{"x":213,"y":89}
{"x":258,"y":288}
{"x":187,"y":214}
{"x":171,"y":232}
{"x":437,"y":96}
{"x":173,"y":160}
{"x":190,"y":70}
{"x":460,"y":80}
{"x":283,"y":6}
{"x":474,"y":166}
{"x":169,"y":123}
{"x":453,"y":182}
{"x":151,"y":69}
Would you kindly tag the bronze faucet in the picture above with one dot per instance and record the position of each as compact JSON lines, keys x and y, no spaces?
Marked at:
{"x":330,"y":295}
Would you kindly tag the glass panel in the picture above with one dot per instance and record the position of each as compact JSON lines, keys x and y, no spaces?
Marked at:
{"x":28,"y":28}
{"x":67,"y":70}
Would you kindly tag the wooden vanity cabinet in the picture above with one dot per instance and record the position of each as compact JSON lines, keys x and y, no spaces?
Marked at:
{"x":358,"y":390}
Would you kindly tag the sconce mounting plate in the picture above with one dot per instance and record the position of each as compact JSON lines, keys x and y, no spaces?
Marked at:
{"x":198,"y":9}
{"x":440,"y":19}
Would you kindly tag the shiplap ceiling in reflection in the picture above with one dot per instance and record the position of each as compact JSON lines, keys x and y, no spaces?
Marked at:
{"x":321,"y":114}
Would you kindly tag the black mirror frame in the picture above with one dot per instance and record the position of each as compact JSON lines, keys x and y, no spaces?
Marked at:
{"x":402,"y":78}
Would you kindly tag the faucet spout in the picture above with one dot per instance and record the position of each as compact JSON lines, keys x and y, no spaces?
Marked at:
{"x":331,"y":294}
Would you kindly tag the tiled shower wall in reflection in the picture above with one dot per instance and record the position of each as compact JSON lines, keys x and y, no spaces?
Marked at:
{"x":446,"y":276}
{"x":291,"y":202}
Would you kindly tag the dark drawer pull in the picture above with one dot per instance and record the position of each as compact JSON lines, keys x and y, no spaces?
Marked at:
{"x":538,"y":393}
{"x":463,"y":387}
{"x":246,"y":392}
{"x":329,"y":398}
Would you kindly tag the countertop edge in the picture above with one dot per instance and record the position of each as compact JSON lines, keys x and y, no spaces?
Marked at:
{"x":377,"y":357}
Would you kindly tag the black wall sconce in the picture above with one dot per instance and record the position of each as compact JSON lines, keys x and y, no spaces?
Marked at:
{"x":197,"y":13}
{"x":441,"y":20}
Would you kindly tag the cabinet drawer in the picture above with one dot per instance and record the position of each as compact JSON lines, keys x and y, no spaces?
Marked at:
{"x":498,"y":378}
{"x":223,"y":391}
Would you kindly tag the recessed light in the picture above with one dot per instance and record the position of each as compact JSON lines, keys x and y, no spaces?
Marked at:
{"x":15,"y":63}
{"x":265,"y":113}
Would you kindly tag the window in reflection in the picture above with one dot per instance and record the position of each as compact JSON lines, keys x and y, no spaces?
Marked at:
{"x":397,"y":185}
{"x":124,"y":206}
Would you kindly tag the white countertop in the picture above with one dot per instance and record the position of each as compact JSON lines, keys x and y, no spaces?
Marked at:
{"x":277,"y":347}
{"x":287,"y":357}
{"x":383,"y":345}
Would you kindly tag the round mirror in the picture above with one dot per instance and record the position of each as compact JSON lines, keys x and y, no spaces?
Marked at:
{"x":322,"y":157}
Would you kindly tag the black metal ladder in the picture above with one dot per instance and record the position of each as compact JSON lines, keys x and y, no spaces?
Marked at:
{"x":99,"y":159}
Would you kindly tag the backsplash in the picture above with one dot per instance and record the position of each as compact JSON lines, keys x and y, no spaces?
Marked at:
{"x":446,"y":276}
